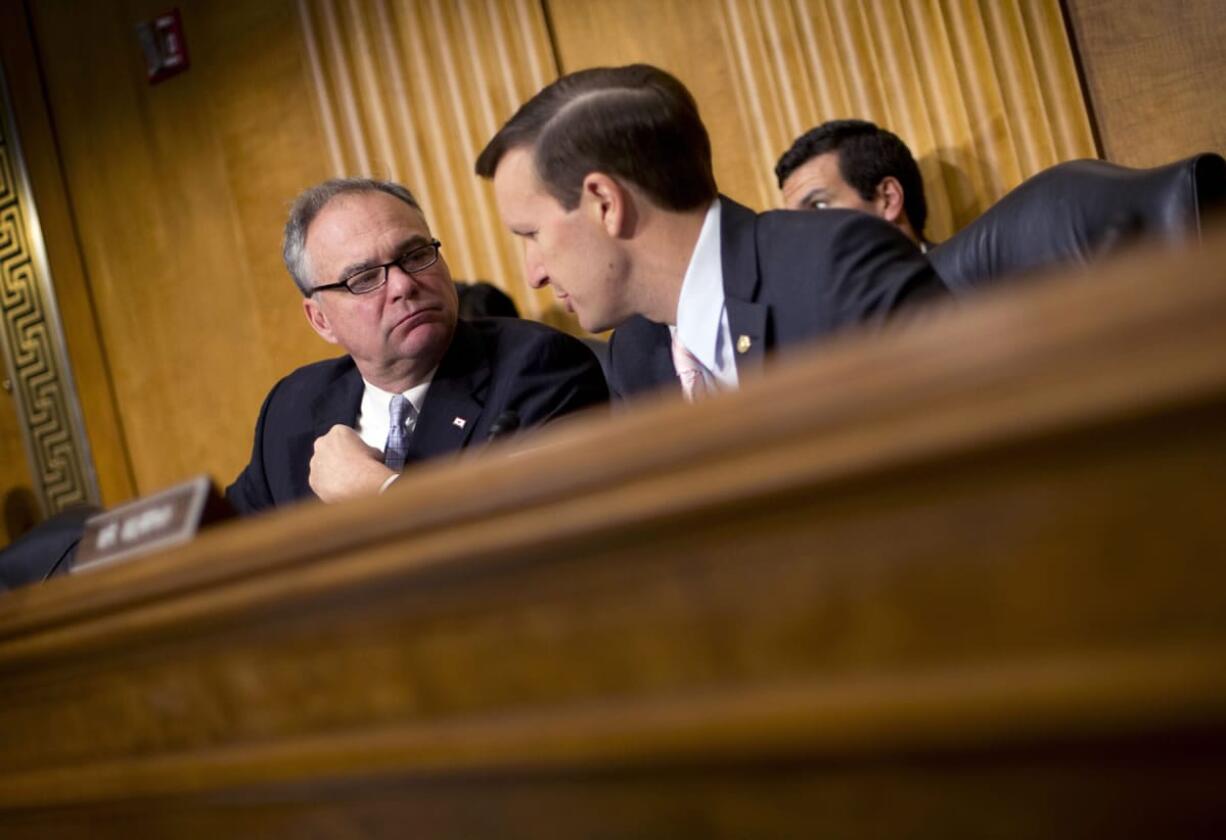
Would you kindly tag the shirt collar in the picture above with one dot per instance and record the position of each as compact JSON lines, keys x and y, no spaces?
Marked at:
{"x":415,"y":395}
{"x":700,"y":308}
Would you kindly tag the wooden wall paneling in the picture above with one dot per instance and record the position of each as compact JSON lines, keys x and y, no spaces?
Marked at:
{"x":74,"y":297}
{"x":20,"y":506}
{"x":268,"y":141}
{"x":134,"y":221}
{"x":1154,"y":76}
{"x":986,"y":94}
{"x":982,"y":588}
{"x":69,"y":419}
{"x":179,"y":191}
{"x":19,"y":509}
{"x":411,"y":90}
{"x":36,"y":370}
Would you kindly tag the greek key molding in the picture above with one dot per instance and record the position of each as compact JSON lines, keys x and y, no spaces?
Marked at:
{"x":35,"y":356}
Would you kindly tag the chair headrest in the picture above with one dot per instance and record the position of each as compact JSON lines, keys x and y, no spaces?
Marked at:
{"x":1077,"y":211}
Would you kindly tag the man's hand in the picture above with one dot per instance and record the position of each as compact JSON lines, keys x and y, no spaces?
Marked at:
{"x":343,"y":467}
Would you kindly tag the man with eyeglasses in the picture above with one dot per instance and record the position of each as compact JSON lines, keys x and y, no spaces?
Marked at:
{"x":416,"y":382}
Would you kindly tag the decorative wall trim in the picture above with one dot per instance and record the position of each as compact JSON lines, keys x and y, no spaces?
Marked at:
{"x":35,"y":355}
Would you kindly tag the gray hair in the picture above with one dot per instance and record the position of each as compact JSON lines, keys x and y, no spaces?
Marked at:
{"x":307,"y":206}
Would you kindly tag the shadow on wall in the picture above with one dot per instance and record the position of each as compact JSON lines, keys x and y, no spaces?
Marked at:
{"x":966,"y":203}
{"x":20,"y":513}
{"x":953,"y":201}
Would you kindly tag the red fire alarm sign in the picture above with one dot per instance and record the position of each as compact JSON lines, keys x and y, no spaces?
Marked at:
{"x":164,"y":46}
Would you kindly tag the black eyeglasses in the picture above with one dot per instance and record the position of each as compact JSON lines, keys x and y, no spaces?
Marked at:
{"x":368,"y":279}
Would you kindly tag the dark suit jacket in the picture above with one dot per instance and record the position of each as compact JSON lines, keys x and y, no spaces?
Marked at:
{"x":788,"y":277}
{"x":493,"y":366}
{"x":45,"y":550}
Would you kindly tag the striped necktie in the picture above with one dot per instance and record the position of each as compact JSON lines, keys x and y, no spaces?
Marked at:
{"x":694,"y":382}
{"x":400,"y":414}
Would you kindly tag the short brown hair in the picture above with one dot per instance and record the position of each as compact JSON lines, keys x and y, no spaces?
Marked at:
{"x":636,"y":122}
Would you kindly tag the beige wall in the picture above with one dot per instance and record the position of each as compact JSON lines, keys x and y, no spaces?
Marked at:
{"x":178,"y":191}
{"x":1154,"y":72}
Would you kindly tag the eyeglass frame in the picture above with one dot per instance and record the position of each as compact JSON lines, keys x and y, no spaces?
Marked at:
{"x":433,"y":244}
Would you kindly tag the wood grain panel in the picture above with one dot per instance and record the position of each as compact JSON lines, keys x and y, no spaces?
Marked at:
{"x":66,"y":276}
{"x":18,"y":505}
{"x":892,"y":569}
{"x":1154,"y":73}
{"x":179,"y":192}
{"x":412,"y":90}
{"x":36,"y":366}
{"x":985,"y":94}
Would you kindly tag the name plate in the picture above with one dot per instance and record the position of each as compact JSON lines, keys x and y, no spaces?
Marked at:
{"x":171,"y":517}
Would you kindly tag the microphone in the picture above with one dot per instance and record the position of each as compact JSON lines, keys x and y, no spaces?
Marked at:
{"x":506,"y":423}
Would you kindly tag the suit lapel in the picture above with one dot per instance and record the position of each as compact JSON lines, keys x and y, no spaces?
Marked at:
{"x":747,"y":319}
{"x":455,"y":399}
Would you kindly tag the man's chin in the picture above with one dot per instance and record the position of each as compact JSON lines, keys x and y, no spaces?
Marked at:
{"x":593,"y":324}
{"x":425,"y":336}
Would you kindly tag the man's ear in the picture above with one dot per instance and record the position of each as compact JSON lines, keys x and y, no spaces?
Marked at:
{"x":606,"y":202}
{"x":889,"y":199}
{"x":318,"y":320}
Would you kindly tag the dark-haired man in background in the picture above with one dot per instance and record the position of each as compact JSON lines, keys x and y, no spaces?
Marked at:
{"x":855,"y":165}
{"x":416,"y":383}
{"x":606,"y":176}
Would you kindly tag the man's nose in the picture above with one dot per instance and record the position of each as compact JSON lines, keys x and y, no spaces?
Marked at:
{"x":400,"y":283}
{"x":538,"y":277}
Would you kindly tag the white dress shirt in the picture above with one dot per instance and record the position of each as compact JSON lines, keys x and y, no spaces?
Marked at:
{"x":702,"y":316}
{"x":374,"y":415}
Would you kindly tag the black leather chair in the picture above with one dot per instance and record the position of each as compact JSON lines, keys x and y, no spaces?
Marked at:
{"x":1077,"y":211}
{"x":481,"y":299}
{"x":46,"y":550}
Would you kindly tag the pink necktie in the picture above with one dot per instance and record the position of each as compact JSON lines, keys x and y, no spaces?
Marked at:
{"x":690,"y":371}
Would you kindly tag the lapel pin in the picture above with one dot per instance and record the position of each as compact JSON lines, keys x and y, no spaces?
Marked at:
{"x":459,"y":422}
{"x":743,"y":344}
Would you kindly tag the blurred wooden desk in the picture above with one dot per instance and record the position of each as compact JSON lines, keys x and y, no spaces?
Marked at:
{"x":963,"y":577}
